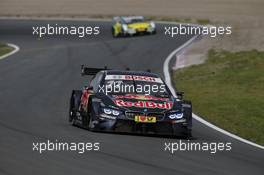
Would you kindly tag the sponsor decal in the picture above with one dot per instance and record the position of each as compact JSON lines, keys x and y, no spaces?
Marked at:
{"x":84,"y":99}
{"x":144,"y":104}
{"x":140,"y":97}
{"x":145,"y":119}
{"x":133,"y":77}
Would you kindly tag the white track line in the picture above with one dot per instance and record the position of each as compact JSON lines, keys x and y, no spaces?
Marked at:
{"x":167,"y":62}
{"x":16,"y":49}
{"x":168,"y":81}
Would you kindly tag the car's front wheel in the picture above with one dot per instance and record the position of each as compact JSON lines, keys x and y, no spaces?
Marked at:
{"x":91,"y":125}
{"x":181,"y":131}
{"x":187,"y":107}
{"x":114,"y":33}
{"x":74,"y":105}
{"x":187,"y":133}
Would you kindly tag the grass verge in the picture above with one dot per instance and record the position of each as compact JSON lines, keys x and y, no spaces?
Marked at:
{"x":4,"y":49}
{"x":227,"y":90}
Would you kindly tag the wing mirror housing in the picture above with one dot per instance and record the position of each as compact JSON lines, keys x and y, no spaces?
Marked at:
{"x":180,"y":94}
{"x":90,"y":88}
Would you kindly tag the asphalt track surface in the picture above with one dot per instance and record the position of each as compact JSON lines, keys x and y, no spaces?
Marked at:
{"x":35,"y":86}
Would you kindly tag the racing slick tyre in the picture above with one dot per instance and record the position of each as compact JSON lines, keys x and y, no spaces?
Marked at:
{"x":187,"y":107}
{"x":186,"y":129}
{"x":74,"y":105}
{"x":114,"y":34}
{"x":90,"y":117}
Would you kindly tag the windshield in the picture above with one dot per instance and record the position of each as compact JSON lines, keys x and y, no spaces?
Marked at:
{"x":136,"y":85}
{"x":133,"y":20}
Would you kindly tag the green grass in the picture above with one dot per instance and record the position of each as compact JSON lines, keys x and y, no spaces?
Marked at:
{"x":4,"y":49}
{"x":228,"y":90}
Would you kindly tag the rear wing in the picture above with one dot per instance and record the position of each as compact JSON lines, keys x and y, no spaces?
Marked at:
{"x":90,"y":71}
{"x":93,"y":71}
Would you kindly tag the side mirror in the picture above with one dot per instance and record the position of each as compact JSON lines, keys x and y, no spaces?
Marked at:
{"x":90,"y":88}
{"x":180,"y":95}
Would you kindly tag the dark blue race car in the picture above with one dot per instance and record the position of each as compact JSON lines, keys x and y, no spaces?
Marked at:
{"x":131,"y":102}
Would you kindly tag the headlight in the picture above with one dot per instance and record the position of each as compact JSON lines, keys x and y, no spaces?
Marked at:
{"x":107,"y":111}
{"x":115,"y":112}
{"x":111,"y":111}
{"x":152,"y":24}
{"x":176,"y":116}
{"x":125,"y":28}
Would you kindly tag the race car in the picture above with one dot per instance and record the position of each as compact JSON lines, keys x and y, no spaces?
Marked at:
{"x":129,"y":102}
{"x":132,"y":25}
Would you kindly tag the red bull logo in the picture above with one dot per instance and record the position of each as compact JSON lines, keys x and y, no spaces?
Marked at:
{"x":144,"y":104}
{"x":140,"y":97}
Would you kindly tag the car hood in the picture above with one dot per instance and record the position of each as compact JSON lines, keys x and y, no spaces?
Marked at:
{"x":138,"y":25}
{"x":142,"y":103}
